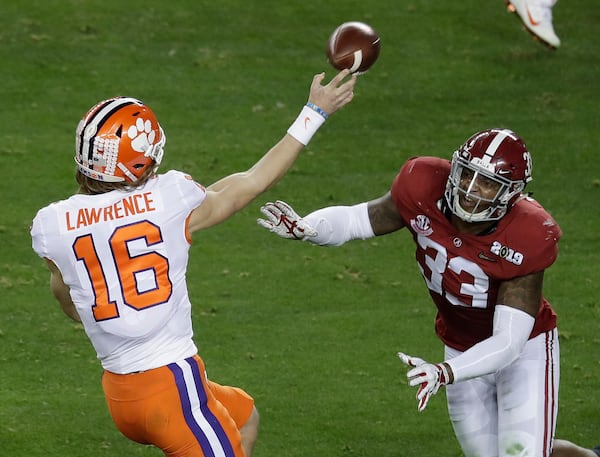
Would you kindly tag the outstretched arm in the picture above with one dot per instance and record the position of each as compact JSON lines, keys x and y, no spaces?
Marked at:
{"x":234,"y":192}
{"x":333,"y":225}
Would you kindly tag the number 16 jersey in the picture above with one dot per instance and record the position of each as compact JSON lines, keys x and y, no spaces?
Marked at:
{"x":124,"y":256}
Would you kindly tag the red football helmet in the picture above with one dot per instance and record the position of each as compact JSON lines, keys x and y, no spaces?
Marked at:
{"x":117,"y":140}
{"x":498,"y":156}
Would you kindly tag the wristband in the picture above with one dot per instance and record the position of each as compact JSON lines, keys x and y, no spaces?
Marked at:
{"x":306,"y":125}
{"x":318,"y":110}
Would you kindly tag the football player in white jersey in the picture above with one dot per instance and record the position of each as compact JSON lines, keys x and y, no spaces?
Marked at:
{"x":482,"y":246}
{"x":118,"y":250}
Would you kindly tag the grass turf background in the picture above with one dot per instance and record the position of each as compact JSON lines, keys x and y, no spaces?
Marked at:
{"x":310,"y":332}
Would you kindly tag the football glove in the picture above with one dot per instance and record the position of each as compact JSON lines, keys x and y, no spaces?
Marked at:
{"x":284,"y":221}
{"x":428,"y":376}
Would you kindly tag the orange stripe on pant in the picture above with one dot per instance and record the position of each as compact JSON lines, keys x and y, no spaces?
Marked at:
{"x":178,"y":410}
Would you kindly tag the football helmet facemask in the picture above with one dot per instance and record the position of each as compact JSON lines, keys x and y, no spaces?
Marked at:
{"x":117,"y":140}
{"x":496,"y":156}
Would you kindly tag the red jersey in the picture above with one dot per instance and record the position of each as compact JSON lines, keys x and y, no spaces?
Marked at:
{"x":463,"y":272}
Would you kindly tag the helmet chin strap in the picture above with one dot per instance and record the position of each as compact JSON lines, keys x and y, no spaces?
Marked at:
{"x":126,"y":172}
{"x":462,"y":213}
{"x":481,"y":216}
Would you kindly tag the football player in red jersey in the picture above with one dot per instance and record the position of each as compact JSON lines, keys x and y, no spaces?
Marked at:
{"x":482,"y":246}
{"x":118,"y":252}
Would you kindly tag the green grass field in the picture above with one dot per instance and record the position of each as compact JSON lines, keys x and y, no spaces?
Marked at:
{"x":310,"y":332}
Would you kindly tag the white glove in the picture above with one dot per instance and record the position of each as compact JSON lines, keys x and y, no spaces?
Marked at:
{"x":428,"y":376}
{"x":284,"y":221}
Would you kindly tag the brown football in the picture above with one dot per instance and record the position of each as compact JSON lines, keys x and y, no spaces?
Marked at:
{"x":353,"y":45}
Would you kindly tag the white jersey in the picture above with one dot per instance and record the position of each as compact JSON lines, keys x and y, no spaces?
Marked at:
{"x":124,"y":256}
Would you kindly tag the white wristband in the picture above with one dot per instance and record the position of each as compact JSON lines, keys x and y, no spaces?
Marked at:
{"x":306,"y":125}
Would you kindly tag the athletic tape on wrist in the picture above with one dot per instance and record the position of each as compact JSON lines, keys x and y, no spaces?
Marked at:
{"x":306,"y":125}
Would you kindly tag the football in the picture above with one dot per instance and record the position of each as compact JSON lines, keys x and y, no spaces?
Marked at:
{"x":353,"y":45}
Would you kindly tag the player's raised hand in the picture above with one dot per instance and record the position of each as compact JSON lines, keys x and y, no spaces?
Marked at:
{"x":428,"y":376}
{"x":334,"y":95}
{"x":282,"y":220}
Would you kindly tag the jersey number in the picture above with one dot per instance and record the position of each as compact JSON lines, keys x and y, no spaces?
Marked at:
{"x":434,"y":263}
{"x":127,"y":268}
